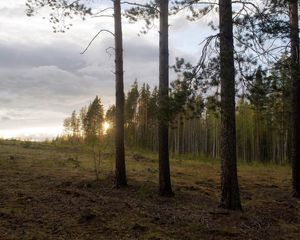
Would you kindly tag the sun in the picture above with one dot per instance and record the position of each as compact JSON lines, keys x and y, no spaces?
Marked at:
{"x":106,"y":127}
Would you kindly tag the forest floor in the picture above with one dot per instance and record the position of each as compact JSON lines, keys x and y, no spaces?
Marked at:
{"x":49,"y":192}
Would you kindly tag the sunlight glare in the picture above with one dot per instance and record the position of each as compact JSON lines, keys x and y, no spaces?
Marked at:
{"x":106,"y":127}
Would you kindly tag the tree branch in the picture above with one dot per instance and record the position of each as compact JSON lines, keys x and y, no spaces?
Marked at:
{"x":90,"y":43}
{"x":141,"y":5}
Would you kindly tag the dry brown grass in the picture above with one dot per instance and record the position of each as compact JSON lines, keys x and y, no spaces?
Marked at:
{"x":50,"y":193}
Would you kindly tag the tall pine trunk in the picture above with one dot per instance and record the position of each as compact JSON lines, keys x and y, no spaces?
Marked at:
{"x":293,"y":10}
{"x":119,"y":138}
{"x":230,"y":195}
{"x":165,"y":188}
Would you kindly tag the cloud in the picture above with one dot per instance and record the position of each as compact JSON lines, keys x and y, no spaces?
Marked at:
{"x":44,"y":77}
{"x":22,"y":55}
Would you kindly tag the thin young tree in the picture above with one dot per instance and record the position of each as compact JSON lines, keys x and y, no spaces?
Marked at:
{"x":230,"y":195}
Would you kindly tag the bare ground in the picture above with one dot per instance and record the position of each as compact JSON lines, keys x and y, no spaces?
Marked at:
{"x":46,"y":193}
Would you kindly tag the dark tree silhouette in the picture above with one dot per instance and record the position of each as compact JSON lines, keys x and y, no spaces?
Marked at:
{"x":148,"y":12}
{"x":119,"y":138}
{"x":294,"y":35}
{"x":230,"y":196}
{"x":165,"y":188}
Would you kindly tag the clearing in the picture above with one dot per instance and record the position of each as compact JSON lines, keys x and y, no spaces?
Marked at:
{"x":49,"y":192}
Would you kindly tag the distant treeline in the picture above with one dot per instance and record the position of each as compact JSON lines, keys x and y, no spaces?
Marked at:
{"x":263,"y":119}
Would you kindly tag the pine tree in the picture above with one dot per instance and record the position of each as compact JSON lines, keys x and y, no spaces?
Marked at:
{"x":67,"y":127}
{"x":131,"y":104}
{"x":120,"y":172}
{"x":258,"y":95}
{"x":82,"y":116}
{"x":230,"y":196}
{"x":165,"y":188}
{"x":93,"y":121}
{"x":295,"y":74}
{"x":74,"y":126}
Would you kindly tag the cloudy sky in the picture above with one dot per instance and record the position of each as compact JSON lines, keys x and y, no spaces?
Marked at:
{"x":44,"y":77}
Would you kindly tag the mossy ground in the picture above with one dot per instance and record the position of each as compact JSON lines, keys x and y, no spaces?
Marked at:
{"x":49,"y":192}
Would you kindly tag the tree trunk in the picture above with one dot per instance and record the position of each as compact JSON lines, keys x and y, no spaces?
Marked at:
{"x":230,"y":196}
{"x":293,"y":10}
{"x":257,"y":137}
{"x":165,"y":188}
{"x":180,"y":137}
{"x":119,"y":138}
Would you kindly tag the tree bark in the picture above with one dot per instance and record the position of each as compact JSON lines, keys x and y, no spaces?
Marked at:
{"x":120,"y":178}
{"x":230,"y":196}
{"x":165,"y":188}
{"x":294,"y":25}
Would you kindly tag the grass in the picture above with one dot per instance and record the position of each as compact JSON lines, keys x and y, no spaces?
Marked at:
{"x":50,"y":192}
